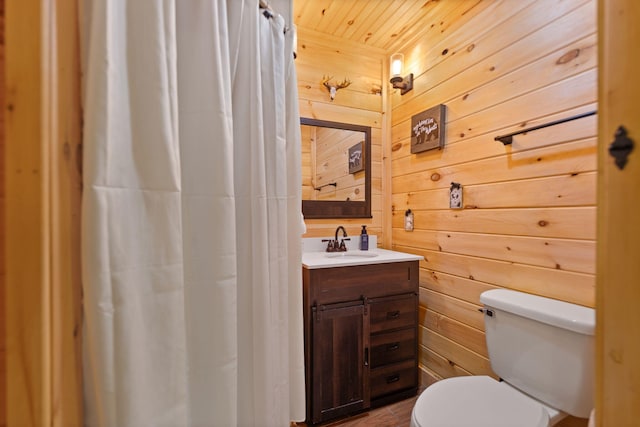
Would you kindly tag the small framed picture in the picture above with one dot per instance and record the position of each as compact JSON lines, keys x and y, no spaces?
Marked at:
{"x":356,"y":158}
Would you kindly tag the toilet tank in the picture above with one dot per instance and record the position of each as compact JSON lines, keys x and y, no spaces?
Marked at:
{"x":542,"y":347}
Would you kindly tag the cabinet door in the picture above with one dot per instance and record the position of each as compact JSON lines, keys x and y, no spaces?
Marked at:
{"x":340,"y":360}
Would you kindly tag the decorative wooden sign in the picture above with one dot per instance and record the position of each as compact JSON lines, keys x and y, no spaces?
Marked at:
{"x":427,"y":129}
{"x":356,"y":158}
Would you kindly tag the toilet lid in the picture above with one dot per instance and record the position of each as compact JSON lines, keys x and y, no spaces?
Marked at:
{"x":476,"y":401}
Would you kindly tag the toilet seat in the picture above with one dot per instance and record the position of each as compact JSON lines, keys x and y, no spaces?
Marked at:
{"x":476,"y":401}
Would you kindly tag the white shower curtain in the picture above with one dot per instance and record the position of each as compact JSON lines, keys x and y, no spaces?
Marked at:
{"x":191,"y":216}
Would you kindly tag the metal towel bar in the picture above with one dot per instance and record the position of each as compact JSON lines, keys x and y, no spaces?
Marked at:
{"x":508,"y":139}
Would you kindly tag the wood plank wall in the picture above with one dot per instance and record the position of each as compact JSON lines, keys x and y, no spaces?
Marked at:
{"x":3,"y":339}
{"x":529,"y":215}
{"x":359,"y":104}
{"x":42,"y":157}
{"x":618,"y":270}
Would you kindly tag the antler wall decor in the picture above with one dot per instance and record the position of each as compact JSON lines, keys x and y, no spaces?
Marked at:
{"x":333,"y":88}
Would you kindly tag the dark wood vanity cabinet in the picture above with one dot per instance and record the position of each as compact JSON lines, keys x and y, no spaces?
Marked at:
{"x":361,"y":342}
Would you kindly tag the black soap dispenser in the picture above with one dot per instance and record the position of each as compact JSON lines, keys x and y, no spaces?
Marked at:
{"x":364,"y":239}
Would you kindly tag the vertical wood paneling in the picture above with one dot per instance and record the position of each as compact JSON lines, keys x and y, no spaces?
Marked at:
{"x":42,"y":182}
{"x":66,"y":191}
{"x":3,"y":339}
{"x":618,"y":277}
{"x":525,"y":224}
{"x":27,"y":210}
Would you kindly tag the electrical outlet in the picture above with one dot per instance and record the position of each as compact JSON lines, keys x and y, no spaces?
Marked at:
{"x":408,"y":220}
{"x":455,"y":196}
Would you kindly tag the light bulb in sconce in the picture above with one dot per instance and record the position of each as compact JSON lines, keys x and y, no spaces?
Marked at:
{"x":405,"y":84}
{"x":396,"y":65}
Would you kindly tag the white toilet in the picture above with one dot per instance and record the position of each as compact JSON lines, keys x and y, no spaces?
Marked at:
{"x":543,"y":351}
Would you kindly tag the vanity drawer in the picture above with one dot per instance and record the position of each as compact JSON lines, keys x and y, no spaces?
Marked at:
{"x":355,"y":282}
{"x":393,"y":312}
{"x":392,"y":378}
{"x":392,"y":347}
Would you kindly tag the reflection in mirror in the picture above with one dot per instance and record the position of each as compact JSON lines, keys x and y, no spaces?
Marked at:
{"x":336,"y":170}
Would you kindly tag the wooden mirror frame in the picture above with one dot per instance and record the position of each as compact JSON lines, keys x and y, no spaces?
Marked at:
{"x":320,"y":209}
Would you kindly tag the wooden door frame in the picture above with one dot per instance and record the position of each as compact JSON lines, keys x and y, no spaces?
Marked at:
{"x":42,"y":217}
{"x":618,"y":270}
{"x":42,"y":221}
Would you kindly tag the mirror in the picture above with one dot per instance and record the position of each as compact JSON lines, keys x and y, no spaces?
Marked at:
{"x":336,"y":169}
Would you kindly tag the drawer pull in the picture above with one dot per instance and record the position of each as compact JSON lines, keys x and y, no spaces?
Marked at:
{"x":393,"y":314}
{"x":393,"y":378}
{"x":393,"y":347}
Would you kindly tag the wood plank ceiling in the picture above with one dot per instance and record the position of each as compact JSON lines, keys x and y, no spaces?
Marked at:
{"x":386,"y":25}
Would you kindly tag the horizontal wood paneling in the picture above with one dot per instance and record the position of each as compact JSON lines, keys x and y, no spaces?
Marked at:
{"x":440,"y":365}
{"x":568,"y":158}
{"x":360,"y":103}
{"x":528,"y":217}
{"x":564,"y":190}
{"x":464,"y":289}
{"x":380,"y":25}
{"x":454,"y":353}
{"x":453,"y":308}
{"x":481,"y":147}
{"x":577,"y":288}
{"x":443,"y":21}
{"x":568,"y":223}
{"x":560,"y":254}
{"x":518,"y":111}
{"x":489,"y":48}
{"x":562,"y":63}
{"x":455,"y":330}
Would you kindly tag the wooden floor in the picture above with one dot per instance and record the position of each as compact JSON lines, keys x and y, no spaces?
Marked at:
{"x":394,"y":415}
{"x":399,"y":415}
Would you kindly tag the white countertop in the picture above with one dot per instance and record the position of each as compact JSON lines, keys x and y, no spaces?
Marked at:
{"x":314,"y":256}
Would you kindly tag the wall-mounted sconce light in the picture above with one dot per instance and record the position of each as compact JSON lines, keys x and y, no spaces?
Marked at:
{"x":405,"y":84}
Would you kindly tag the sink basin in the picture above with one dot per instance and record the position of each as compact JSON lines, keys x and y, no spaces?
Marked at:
{"x":351,"y":254}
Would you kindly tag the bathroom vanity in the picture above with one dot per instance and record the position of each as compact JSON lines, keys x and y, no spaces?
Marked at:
{"x":360,"y":320}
